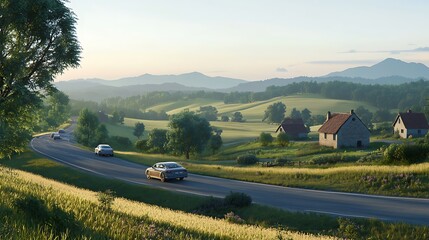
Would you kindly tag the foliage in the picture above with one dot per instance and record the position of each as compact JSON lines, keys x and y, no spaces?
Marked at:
{"x":117,"y":117}
{"x":295,"y":114}
{"x":233,"y":218}
{"x":364,"y":115}
{"x":208,"y":112}
{"x":282,"y":139}
{"x":224,"y":118}
{"x":332,"y":159}
{"x":141,"y":145}
{"x":215,"y":142}
{"x":247,"y":159}
{"x":106,"y":199}
{"x":305,"y":115}
{"x":139,"y":129}
{"x":237,"y":117}
{"x":188,"y":133}
{"x":55,"y":111}
{"x":101,"y":134}
{"x":157,"y":140}
{"x":37,"y":42}
{"x":237,"y":199}
{"x":275,"y":113}
{"x":87,"y":124}
{"x":265,"y":139}
{"x":120,"y":142}
{"x":406,"y":154}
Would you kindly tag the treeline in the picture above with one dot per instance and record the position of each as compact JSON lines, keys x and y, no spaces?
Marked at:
{"x":408,"y":95}
{"x":404,"y":96}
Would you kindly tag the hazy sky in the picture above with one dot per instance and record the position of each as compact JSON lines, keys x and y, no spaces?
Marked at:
{"x":247,"y":39}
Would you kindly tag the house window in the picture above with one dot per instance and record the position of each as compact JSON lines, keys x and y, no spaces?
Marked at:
{"x":335,"y":136}
{"x":325,"y":135}
{"x":402,"y":130}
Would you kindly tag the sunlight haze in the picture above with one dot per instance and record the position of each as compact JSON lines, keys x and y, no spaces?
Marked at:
{"x":250,"y":40}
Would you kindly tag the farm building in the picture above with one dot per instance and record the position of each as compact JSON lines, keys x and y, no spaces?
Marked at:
{"x":343,"y":130}
{"x":294,"y":128}
{"x":410,"y":124}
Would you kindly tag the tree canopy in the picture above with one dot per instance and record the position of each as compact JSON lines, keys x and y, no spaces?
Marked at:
{"x":87,"y":126}
{"x":138,"y":129}
{"x":188,"y":133}
{"x":275,"y":113}
{"x":37,"y":42}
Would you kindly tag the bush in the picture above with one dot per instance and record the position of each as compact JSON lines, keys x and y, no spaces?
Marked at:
{"x":141,"y":145}
{"x":106,"y":199}
{"x":233,"y":218}
{"x":406,"y":154}
{"x":120,"y":142}
{"x":283,"y":139}
{"x":212,"y":207}
{"x":238,"y":200}
{"x":282,"y":161}
{"x":332,"y":159}
{"x":265,"y":139}
{"x":247,"y":159}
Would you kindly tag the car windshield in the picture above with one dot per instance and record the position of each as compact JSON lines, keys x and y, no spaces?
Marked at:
{"x":105,"y":147}
{"x":172,"y":165}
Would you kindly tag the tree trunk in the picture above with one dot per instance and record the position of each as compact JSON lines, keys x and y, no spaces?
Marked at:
{"x":187,"y":154}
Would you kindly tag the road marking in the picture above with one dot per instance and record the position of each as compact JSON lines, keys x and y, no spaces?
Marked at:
{"x":348,"y":215}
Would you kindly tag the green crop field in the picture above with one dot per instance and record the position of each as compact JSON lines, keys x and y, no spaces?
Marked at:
{"x":254,"y":111}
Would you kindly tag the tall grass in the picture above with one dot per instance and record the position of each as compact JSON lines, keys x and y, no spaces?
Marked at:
{"x":84,"y":219}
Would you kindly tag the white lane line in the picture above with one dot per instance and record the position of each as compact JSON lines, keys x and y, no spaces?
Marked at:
{"x":348,"y":215}
{"x":65,"y":162}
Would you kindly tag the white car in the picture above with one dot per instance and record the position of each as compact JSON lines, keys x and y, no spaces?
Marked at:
{"x":104,"y":150}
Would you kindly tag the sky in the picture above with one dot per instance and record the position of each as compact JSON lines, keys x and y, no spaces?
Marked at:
{"x":245,"y":39}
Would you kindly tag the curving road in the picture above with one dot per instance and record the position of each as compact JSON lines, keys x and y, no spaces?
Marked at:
{"x":410,"y":210}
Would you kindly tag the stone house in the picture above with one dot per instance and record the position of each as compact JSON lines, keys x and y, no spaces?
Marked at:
{"x":410,"y":124}
{"x":294,"y":128}
{"x":343,"y":130}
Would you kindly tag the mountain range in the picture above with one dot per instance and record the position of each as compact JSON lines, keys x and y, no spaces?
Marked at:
{"x":389,"y":71}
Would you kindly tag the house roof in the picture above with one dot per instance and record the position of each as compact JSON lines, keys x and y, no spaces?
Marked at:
{"x":334,"y":123}
{"x":293,"y":126}
{"x":413,"y":120}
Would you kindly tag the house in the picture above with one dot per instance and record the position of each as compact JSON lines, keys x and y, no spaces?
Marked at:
{"x":294,"y":128}
{"x":343,"y":130}
{"x":410,"y":124}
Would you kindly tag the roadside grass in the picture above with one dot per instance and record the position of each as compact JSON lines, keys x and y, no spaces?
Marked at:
{"x":33,"y":207}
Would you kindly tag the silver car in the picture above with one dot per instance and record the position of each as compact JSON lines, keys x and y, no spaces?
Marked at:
{"x":103,"y":150}
{"x":166,"y":170}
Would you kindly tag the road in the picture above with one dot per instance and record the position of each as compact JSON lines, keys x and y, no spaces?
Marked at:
{"x":410,"y":210}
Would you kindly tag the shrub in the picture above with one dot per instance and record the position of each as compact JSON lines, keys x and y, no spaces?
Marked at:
{"x":265,"y":139}
{"x":233,"y":218}
{"x":238,"y":200}
{"x":106,"y":199}
{"x":141,"y":145}
{"x":283,"y":139}
{"x":247,"y":159}
{"x":406,"y":154}
{"x":332,"y":159}
{"x":212,"y":206}
{"x":282,"y":161}
{"x":120,"y":142}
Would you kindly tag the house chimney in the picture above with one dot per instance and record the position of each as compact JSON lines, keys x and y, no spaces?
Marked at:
{"x":352,"y":111}
{"x":409,"y":111}
{"x":328,"y":116}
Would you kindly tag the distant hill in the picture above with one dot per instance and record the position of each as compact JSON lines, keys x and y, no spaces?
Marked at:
{"x":259,"y":86}
{"x":84,"y":90}
{"x":193,"y":79}
{"x":388,"y":67}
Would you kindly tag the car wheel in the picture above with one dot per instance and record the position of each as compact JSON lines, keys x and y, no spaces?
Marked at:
{"x":163,"y":179}
{"x":181,"y":179}
{"x":147,"y":175}
{"x":111,"y":155}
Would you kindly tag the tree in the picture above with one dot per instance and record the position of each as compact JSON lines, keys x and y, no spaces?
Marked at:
{"x":305,"y":115}
{"x":215,"y":142}
{"x":265,"y":139}
{"x":58,"y":109}
{"x":87,"y":124}
{"x":37,"y":42}
{"x":282,"y":139}
{"x":101,"y":134}
{"x":224,"y":118}
{"x":382,"y":115}
{"x":157,"y":140}
{"x":295,"y":114}
{"x":275,"y":113}
{"x":188,"y":133}
{"x":138,"y":130}
{"x":208,"y":112}
{"x":237,"y":117}
{"x":365,"y":115}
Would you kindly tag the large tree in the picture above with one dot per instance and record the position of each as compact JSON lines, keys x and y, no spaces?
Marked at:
{"x":188,"y":133}
{"x":86,"y":129}
{"x":138,"y":129}
{"x":37,"y":42}
{"x":208,"y":112}
{"x":275,"y":113}
{"x":157,"y":140}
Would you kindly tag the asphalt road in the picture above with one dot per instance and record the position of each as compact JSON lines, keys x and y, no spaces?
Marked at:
{"x":410,"y":210}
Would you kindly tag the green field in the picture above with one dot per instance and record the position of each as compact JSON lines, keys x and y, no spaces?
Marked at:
{"x":253,"y":112}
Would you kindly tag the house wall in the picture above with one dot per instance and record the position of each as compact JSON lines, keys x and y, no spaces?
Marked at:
{"x":415,"y":132}
{"x":352,"y":131}
{"x":400,"y":128}
{"x":328,"y":141}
